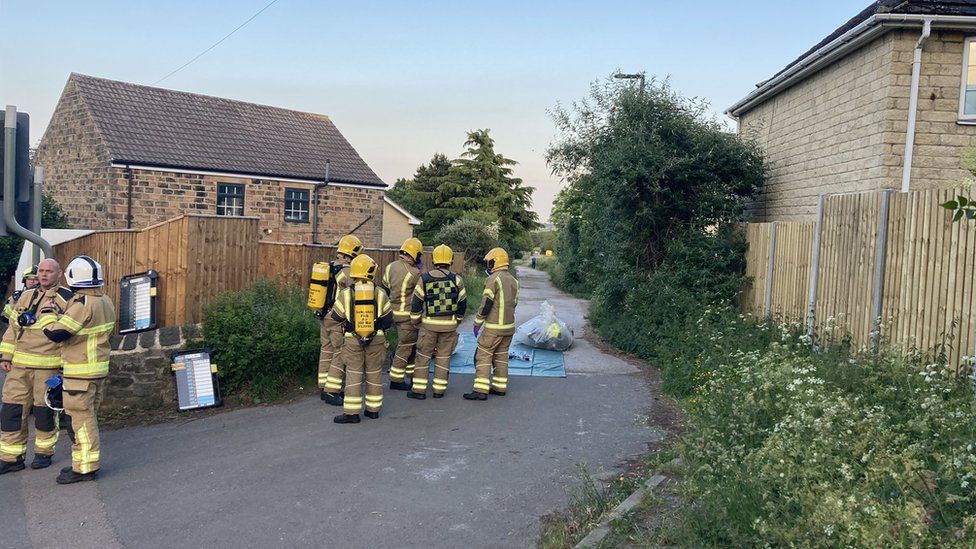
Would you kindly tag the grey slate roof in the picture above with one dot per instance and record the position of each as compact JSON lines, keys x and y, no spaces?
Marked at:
{"x":172,"y":129}
{"x":913,"y":7}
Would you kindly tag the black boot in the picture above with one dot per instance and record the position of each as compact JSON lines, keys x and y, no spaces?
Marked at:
{"x":346,"y":418}
{"x":324,"y":395}
{"x":399,"y":385}
{"x":492,"y":391}
{"x":41,"y":461}
{"x":372,"y":415}
{"x":333,"y":399}
{"x":417,"y":396}
{"x":68,"y":476}
{"x":438,"y":395}
{"x":475,"y":396}
{"x":11,"y":466}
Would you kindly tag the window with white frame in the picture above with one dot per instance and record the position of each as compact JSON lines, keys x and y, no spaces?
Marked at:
{"x":230,"y":199}
{"x":296,"y":205}
{"x":967,"y":99}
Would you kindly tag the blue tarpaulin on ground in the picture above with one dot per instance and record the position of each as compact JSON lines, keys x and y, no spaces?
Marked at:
{"x":523,"y":360}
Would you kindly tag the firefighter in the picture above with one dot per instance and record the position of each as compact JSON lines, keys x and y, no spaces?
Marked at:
{"x":29,"y":281}
{"x":399,"y":280}
{"x":30,"y":358}
{"x":494,"y":326}
{"x":330,"y":359}
{"x":364,"y":312}
{"x":438,"y":305}
{"x":83,"y":333}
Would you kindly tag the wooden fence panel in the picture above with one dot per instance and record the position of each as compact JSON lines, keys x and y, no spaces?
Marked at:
{"x":753,"y":297}
{"x":929,"y":280}
{"x":791,"y":271}
{"x":847,"y":259}
{"x":222,"y":255}
{"x":115,"y":250}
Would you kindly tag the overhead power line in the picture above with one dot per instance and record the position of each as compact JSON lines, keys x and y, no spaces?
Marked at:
{"x":215,"y":44}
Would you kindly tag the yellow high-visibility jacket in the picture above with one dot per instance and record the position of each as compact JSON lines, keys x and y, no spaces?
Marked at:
{"x":83,"y":331}
{"x":400,"y":280}
{"x":437,"y":293}
{"x":497,"y":312}
{"x":27,"y":346}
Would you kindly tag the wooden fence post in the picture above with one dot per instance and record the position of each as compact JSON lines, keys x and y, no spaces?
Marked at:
{"x":815,"y":267}
{"x":767,"y":305}
{"x":880,"y":254}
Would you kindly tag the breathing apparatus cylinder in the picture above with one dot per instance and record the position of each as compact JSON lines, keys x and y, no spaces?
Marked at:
{"x":318,"y":286}
{"x":365,"y":307}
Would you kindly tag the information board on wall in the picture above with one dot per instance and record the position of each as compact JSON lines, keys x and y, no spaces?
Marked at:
{"x":196,"y":380}
{"x":137,"y":302}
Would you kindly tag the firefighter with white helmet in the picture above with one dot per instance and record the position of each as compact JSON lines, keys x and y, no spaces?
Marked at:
{"x":331,"y":369}
{"x":400,"y":280}
{"x":83,"y":332}
{"x":29,"y":358}
{"x":364,"y":312}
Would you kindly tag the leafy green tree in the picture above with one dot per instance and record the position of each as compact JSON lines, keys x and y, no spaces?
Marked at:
{"x":477,"y":186}
{"x":421,"y":193}
{"x":647,"y":220}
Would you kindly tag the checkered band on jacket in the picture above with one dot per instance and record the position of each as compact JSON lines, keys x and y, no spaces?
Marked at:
{"x":440,"y":295}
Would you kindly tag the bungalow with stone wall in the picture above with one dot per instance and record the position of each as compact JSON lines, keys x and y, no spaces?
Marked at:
{"x":886,"y":101}
{"x":119,"y":155}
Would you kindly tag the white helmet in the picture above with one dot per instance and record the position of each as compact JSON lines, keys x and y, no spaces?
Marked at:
{"x":84,"y":272}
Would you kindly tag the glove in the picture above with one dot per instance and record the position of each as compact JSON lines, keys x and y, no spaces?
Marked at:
{"x":476,"y":330}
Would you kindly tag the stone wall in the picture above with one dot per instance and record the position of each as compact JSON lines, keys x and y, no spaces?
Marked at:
{"x":844,"y":128}
{"x":76,"y":165}
{"x":139,"y":374}
{"x":825,"y":134}
{"x":158,"y":196}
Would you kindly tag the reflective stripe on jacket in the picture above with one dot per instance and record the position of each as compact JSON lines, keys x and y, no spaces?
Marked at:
{"x":497,"y":311}
{"x":400,"y":280}
{"x":89,"y":320}
{"x":27,"y":346}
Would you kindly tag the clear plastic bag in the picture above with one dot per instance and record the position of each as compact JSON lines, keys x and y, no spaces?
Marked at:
{"x":545,"y":331}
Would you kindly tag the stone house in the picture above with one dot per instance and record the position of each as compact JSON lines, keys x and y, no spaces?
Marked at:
{"x":119,"y":155}
{"x":886,"y":101}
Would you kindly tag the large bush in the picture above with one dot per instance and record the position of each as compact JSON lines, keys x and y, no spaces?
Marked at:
{"x":470,"y":236}
{"x":263,"y":338}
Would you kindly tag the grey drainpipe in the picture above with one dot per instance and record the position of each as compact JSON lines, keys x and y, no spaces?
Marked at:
{"x":315,"y":197}
{"x":906,"y":174}
{"x":128,"y":199}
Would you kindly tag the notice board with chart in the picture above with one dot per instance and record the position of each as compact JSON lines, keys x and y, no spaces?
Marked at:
{"x":137,"y":302}
{"x":196,"y":380}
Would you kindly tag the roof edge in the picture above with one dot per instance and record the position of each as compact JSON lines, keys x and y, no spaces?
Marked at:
{"x":141,"y":165}
{"x":863,"y":33}
{"x":410,"y":217}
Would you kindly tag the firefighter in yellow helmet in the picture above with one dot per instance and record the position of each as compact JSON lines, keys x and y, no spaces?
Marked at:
{"x":331,"y":369}
{"x":83,"y":332}
{"x":29,"y":281}
{"x":438,"y":305}
{"x":364,"y":312}
{"x":29,"y":358}
{"x":400,"y":280}
{"x":494,"y":326}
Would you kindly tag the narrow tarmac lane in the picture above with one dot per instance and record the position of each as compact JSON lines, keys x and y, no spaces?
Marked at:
{"x":436,"y":473}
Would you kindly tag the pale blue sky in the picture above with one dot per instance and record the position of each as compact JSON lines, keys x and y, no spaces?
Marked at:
{"x":403,"y":80}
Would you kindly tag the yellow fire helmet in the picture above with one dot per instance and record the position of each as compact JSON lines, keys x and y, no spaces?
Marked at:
{"x":496,"y":258}
{"x":412,"y":247}
{"x":350,"y":245}
{"x":443,"y":255}
{"x":363,"y":267}
{"x":29,"y":273}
